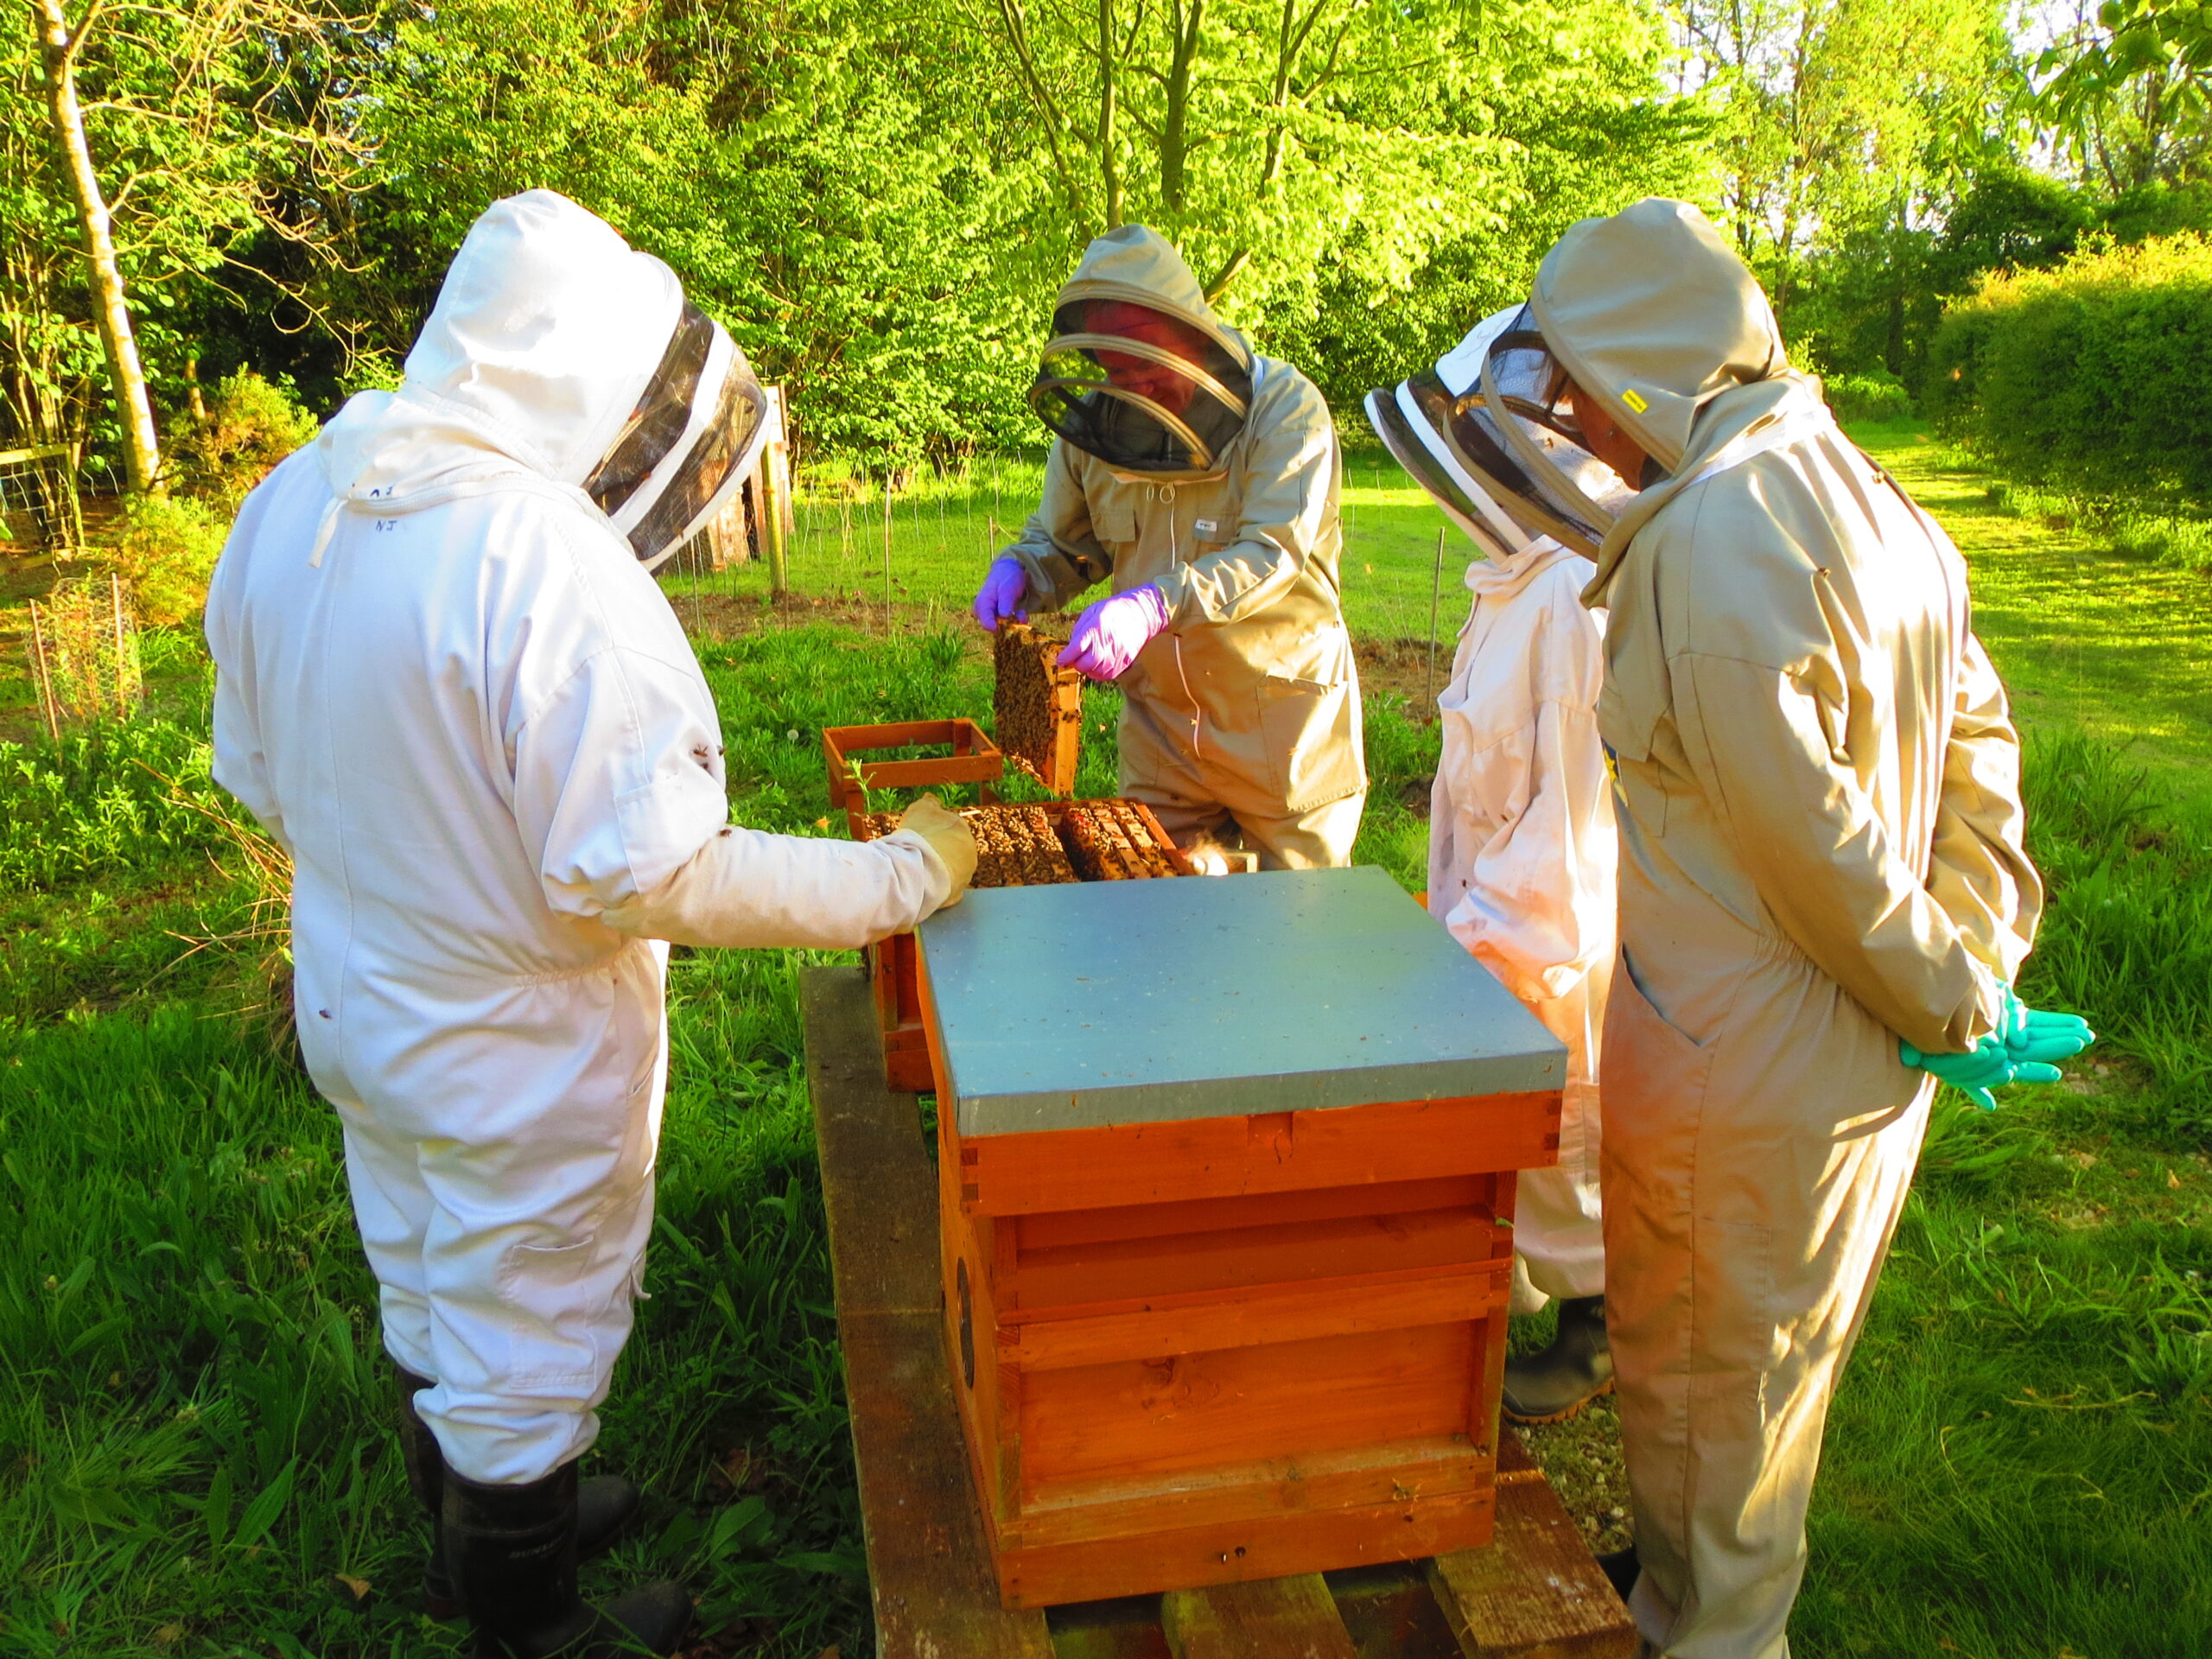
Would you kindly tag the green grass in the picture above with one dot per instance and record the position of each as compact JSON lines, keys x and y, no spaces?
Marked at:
{"x":2089,"y":637}
{"x":193,"y":1433}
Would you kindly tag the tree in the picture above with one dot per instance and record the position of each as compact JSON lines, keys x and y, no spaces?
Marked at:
{"x":59,"y":46}
{"x":172,"y":128}
{"x":1829,"y":110}
{"x":2127,"y":91}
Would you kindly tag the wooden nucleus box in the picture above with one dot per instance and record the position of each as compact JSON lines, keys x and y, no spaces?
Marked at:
{"x":1226,"y":1176}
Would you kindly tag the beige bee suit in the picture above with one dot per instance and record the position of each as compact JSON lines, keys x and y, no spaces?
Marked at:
{"x":1820,"y":852}
{"x":1247,"y":706}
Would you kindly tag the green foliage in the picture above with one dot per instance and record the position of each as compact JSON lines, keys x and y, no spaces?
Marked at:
{"x":1876,"y":397}
{"x":165,"y":547}
{"x":119,"y":797}
{"x":2087,"y":376}
{"x":209,"y":130}
{"x":252,"y":425}
{"x":2127,"y":89}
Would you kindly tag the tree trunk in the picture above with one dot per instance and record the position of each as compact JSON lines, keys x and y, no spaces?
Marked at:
{"x":1174,"y":132}
{"x":1110,"y":164}
{"x":133,"y":409}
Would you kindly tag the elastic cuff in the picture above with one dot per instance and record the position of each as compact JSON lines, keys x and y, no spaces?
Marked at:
{"x":1177,"y":587}
{"x":937,"y":877}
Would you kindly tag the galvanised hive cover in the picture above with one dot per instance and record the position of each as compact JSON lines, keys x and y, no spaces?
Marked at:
{"x":1105,"y":1002}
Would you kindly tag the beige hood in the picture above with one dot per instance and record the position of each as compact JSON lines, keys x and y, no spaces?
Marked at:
{"x":1136,"y":263}
{"x":1653,"y":313}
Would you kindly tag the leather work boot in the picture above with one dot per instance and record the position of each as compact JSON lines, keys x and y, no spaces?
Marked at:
{"x":604,"y":1503}
{"x":1552,"y":1386}
{"x":1622,"y":1569}
{"x":513,"y":1554}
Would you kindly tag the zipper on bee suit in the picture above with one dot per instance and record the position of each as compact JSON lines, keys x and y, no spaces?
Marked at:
{"x":1164,"y":494}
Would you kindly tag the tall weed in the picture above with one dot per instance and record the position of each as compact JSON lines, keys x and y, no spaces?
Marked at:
{"x":115,"y":798}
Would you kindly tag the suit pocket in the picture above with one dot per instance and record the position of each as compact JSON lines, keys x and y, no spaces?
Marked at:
{"x":1310,"y":740}
{"x":1114,"y":523}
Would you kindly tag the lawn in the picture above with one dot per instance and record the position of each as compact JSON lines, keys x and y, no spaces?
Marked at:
{"x":195,"y":1456}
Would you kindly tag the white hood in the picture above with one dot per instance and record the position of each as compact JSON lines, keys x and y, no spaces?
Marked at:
{"x":1501,"y":577}
{"x":547,"y":330}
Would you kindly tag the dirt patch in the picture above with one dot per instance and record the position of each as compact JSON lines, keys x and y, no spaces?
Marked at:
{"x":1401,"y":667}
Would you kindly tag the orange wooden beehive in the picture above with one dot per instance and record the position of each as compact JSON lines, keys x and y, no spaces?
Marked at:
{"x":1226,"y":1175}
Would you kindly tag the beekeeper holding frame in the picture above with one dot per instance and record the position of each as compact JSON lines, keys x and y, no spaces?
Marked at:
{"x":1202,"y":481}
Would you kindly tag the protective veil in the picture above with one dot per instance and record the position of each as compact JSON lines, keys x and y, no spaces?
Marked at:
{"x":1521,"y":842}
{"x":1141,"y":388}
{"x":1820,"y":852}
{"x":448,"y":686}
{"x":1243,"y":713}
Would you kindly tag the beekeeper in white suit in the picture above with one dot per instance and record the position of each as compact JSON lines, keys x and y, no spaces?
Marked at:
{"x":449,"y":686}
{"x":1521,"y":847}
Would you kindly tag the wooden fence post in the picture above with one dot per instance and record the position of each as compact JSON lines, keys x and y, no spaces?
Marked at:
{"x":45,"y":702}
{"x":775,"y":500}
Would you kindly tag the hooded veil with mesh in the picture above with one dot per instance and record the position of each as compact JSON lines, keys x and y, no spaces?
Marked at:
{"x":687,"y":444}
{"x":1141,"y":389}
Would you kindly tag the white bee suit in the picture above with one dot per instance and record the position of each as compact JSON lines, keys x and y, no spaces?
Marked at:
{"x":1522,"y":854}
{"x":449,"y":687}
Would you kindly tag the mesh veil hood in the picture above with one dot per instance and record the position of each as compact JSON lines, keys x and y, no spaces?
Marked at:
{"x":1135,"y":263}
{"x":557,"y":349}
{"x":1651,"y":311}
{"x":1137,"y":266}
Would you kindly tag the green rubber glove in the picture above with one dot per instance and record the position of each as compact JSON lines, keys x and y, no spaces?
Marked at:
{"x":2033,"y":1036}
{"x":1973,"y":1074}
{"x":2021,"y":1050}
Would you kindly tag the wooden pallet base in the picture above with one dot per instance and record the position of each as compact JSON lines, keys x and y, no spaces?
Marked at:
{"x":1535,"y":1594}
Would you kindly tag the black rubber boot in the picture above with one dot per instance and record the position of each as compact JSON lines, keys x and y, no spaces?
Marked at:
{"x":511,"y":1551}
{"x":1621,"y":1569}
{"x":604,"y":1503}
{"x":1552,"y":1386}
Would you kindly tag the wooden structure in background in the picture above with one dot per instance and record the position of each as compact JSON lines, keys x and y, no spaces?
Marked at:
{"x":40,"y":483}
{"x":759,"y":519}
{"x":1534,"y":1593}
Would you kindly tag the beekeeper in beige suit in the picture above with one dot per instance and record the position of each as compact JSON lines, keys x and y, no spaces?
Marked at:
{"x":1824,"y":895}
{"x":1202,"y":479}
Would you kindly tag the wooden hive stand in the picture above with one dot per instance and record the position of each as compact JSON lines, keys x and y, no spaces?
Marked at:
{"x":1534,"y":1592}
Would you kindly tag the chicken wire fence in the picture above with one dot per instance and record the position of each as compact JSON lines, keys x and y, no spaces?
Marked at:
{"x":82,"y":643}
{"x":907,"y":546}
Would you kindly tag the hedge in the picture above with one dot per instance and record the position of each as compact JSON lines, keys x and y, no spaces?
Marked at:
{"x":2094,"y":376}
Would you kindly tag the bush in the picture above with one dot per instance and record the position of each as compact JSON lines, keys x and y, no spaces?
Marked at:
{"x":166,"y":550}
{"x":2087,"y":376}
{"x":1876,"y":397}
{"x":251,"y":424}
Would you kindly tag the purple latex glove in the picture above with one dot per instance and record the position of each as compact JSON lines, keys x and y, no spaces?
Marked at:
{"x":1005,"y":593}
{"x":1108,"y":635}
